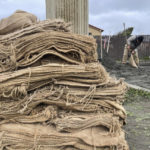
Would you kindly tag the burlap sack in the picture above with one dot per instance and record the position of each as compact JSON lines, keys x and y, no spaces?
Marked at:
{"x":20,"y":19}
{"x":34,"y":136}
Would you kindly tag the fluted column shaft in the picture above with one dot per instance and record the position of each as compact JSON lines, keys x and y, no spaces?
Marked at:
{"x":74,"y":11}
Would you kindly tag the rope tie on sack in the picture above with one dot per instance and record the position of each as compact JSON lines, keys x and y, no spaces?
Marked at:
{"x":36,"y":139}
{"x":1,"y":137}
{"x":89,"y":96}
{"x":2,"y":68}
{"x":60,"y":94}
{"x":62,"y":70}
{"x":29,"y":77}
{"x":25,"y":106}
{"x":13,"y":56}
{"x":94,"y":147}
{"x":71,"y":99}
{"x":15,"y":92}
{"x":67,"y":100}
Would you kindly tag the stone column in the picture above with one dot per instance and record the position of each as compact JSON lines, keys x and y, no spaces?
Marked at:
{"x":74,"y":11}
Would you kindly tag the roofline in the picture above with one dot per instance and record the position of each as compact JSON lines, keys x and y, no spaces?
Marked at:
{"x":96,"y":28}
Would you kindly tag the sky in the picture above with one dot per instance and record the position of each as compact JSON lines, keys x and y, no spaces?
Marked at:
{"x":108,"y":15}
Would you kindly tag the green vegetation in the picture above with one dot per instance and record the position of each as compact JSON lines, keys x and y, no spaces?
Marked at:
{"x":126,"y":32}
{"x":133,"y":95}
{"x":146,"y":58}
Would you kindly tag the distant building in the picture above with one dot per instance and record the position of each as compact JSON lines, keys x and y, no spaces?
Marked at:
{"x":97,"y":34}
{"x":95,"y":31}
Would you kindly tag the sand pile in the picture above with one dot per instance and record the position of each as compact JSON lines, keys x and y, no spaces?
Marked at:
{"x":55,"y":95}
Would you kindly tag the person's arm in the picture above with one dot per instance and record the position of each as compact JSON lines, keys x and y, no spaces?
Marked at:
{"x":134,"y":51}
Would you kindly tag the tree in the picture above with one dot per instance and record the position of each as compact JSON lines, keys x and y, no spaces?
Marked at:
{"x":127,"y":32}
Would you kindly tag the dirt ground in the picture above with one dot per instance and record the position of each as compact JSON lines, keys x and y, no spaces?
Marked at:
{"x":140,"y":77}
{"x":138,"y":124}
{"x":138,"y":108}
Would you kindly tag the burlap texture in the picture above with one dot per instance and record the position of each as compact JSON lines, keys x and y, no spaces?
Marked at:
{"x":21,"y":136}
{"x":50,"y":47}
{"x":18,"y":83}
{"x":38,"y":27}
{"x":54,"y":95}
{"x":20,"y":19}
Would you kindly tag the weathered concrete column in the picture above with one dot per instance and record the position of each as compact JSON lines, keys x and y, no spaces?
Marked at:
{"x":74,"y":11}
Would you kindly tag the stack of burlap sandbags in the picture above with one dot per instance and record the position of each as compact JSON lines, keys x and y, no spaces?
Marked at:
{"x":54,"y":95}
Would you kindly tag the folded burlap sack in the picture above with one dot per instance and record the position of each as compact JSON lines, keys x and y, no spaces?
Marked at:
{"x":18,"y":20}
{"x":50,"y":47}
{"x":33,"y":136}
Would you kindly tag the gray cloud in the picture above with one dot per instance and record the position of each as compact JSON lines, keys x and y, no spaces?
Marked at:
{"x":105,"y":6}
{"x":111,"y":14}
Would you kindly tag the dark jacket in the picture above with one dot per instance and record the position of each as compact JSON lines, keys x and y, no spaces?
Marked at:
{"x":134,"y":41}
